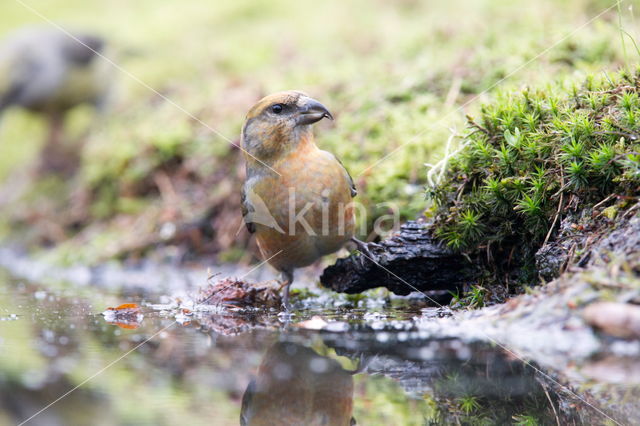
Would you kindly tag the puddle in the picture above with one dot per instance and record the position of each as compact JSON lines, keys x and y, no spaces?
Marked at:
{"x":331,"y":366}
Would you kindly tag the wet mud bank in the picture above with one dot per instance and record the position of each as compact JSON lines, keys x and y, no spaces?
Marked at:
{"x":540,"y":354}
{"x":571,"y":340}
{"x":589,"y":306}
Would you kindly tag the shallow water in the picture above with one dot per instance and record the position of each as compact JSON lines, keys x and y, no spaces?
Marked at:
{"x":61,"y":363}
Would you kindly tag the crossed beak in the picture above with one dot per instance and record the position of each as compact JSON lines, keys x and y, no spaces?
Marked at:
{"x":312,"y":111}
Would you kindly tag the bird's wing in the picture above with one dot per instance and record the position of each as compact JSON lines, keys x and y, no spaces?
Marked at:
{"x":255,"y":210}
{"x":352,"y":185}
{"x":247,"y":209}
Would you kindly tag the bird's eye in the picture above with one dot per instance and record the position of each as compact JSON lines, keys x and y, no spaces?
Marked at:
{"x":277,"y":108}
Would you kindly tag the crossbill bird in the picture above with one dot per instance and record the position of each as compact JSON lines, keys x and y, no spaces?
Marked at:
{"x":297,"y":386}
{"x":296,"y":198}
{"x":48,"y":72}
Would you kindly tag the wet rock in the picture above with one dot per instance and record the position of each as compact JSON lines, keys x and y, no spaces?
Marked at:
{"x":448,"y":370}
{"x":587,"y":239}
{"x":554,"y":256}
{"x":410,"y":260}
{"x":623,"y":242}
{"x":550,"y":259}
{"x":617,"y":319}
{"x":315,"y":323}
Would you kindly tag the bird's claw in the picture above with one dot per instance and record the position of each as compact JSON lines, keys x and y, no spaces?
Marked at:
{"x":364,"y":250}
{"x":363,"y":260}
{"x":286,"y":305}
{"x":286,"y":284}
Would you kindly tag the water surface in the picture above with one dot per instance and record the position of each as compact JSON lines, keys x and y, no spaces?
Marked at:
{"x":61,"y":363}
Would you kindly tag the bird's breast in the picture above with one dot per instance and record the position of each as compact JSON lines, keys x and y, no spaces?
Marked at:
{"x":310,"y":201}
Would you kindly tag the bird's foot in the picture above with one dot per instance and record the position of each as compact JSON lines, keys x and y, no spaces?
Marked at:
{"x":285,"y":303}
{"x":285,"y":318}
{"x":282,"y":285}
{"x":364,"y":250}
{"x":287,"y":280}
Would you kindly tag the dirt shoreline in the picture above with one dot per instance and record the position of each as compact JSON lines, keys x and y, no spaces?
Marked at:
{"x":547,"y":325}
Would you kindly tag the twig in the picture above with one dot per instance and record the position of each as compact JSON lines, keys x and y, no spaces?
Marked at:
{"x":624,"y":129}
{"x":546,"y":392}
{"x":629,"y":136}
{"x":635,"y":207}
{"x":614,"y":91}
{"x":604,"y":201}
{"x":567,"y":261}
{"x":477,"y":126}
{"x":555,"y":218}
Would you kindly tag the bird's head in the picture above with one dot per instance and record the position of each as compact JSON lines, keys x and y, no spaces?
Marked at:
{"x":279,"y":123}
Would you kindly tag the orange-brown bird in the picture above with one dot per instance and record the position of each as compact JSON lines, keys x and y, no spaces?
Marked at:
{"x":297,"y":197}
{"x":297,"y":386}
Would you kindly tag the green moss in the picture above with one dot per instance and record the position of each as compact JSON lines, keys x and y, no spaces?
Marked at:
{"x":536,"y":154}
{"x":474,"y":298}
{"x":469,"y":404}
{"x":302,"y":293}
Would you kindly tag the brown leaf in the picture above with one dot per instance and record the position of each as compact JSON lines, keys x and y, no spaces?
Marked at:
{"x":126,"y":325}
{"x":127,"y":306}
{"x":127,"y":316}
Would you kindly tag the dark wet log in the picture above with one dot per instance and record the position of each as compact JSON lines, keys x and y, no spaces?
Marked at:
{"x":410,"y":260}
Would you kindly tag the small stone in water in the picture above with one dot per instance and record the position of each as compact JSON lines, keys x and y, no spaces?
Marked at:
{"x":337,"y":327}
{"x":315,"y":323}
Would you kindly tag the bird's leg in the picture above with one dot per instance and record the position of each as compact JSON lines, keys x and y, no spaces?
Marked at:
{"x":100,"y":107}
{"x":287,"y":280}
{"x":364,"y":249}
{"x":52,"y":156}
{"x":56,"y":125}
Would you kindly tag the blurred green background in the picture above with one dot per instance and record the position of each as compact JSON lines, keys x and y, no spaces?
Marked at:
{"x":395,"y":74}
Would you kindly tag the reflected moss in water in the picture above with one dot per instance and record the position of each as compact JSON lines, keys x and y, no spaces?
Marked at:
{"x":459,"y":384}
{"x":197,"y":375}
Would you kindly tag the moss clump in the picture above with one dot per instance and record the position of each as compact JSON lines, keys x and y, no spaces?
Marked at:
{"x":533,"y":156}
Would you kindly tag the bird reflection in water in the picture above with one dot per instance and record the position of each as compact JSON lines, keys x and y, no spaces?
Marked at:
{"x":297,"y":386}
